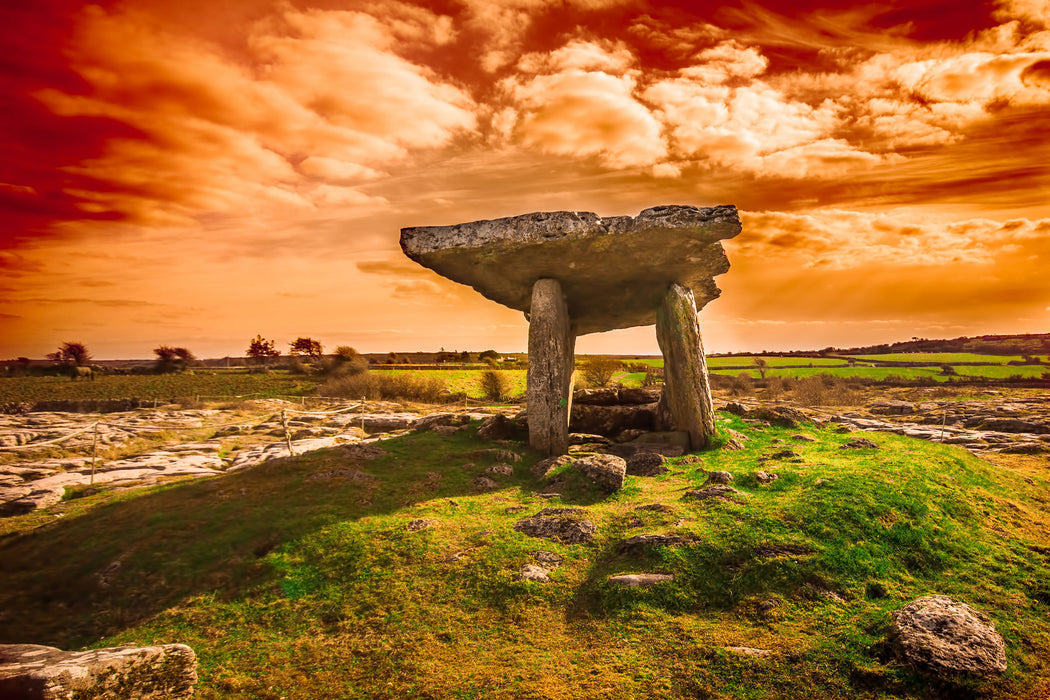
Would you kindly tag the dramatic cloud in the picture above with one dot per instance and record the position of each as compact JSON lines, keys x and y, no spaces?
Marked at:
{"x":255,"y":160}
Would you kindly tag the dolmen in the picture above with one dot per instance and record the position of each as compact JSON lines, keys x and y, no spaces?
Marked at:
{"x":574,"y":273}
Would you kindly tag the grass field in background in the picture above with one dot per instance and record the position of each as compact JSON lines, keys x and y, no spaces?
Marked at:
{"x":291,"y":584}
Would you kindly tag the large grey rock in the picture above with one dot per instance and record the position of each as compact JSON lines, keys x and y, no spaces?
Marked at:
{"x":646,"y":464}
{"x":32,"y":672}
{"x":565,"y":524}
{"x":947,"y":637}
{"x":614,"y":271}
{"x":607,"y":471}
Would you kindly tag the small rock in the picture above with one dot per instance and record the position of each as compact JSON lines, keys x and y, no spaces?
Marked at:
{"x":531,"y":572}
{"x":718,"y":478}
{"x":946,"y":637}
{"x":766,"y":477}
{"x":607,"y":471}
{"x":543,"y":468}
{"x":860,"y":443}
{"x":753,"y":653}
{"x":549,"y":560}
{"x":733,"y":445}
{"x":639,"y":580}
{"x":646,"y":464}
{"x":499,"y":427}
{"x":658,"y":507}
{"x":639,"y":542}
{"x":716,"y":491}
{"x":784,"y":454}
{"x":500,"y":469}
{"x":768,"y":605}
{"x":803,"y":438}
{"x":485,"y":484}
{"x":420,"y":524}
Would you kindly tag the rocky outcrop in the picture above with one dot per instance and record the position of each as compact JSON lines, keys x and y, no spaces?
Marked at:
{"x":32,"y":672}
{"x":569,"y":525}
{"x":943,"y":636}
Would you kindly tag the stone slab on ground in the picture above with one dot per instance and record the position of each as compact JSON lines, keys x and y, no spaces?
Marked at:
{"x":614,"y":270}
{"x":946,"y":637}
{"x":33,"y":672}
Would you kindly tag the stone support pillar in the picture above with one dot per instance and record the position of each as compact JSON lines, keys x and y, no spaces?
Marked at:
{"x":687,"y":388}
{"x":552,"y":341}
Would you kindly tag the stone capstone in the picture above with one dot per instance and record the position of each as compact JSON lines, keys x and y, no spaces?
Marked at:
{"x":33,"y":672}
{"x":944,"y":636}
{"x":565,"y":524}
{"x":614,"y":270}
{"x":607,"y":471}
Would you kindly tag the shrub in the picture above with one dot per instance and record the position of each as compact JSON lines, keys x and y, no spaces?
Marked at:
{"x":495,"y":385}
{"x":742,"y":385}
{"x":386,"y":386}
{"x":599,"y":371}
{"x":653,"y":375}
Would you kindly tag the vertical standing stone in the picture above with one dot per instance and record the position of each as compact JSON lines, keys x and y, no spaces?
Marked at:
{"x":551,"y":344}
{"x":687,"y":388}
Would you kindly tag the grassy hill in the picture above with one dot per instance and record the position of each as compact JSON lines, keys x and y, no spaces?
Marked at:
{"x":298,"y":579}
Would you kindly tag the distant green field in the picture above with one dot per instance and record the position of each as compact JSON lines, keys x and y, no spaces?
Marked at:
{"x":771,"y":361}
{"x":162,"y":387}
{"x":941,"y":357}
{"x":992,"y":372}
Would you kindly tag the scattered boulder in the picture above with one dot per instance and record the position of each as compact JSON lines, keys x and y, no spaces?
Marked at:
{"x":565,"y":524}
{"x":531,"y":572}
{"x":946,"y":637}
{"x":782,"y":416}
{"x":639,"y":542}
{"x":718,"y":478}
{"x":543,"y":468}
{"x":500,"y":427}
{"x":753,"y":653}
{"x":639,"y":580}
{"x":501,"y":469}
{"x":484,"y":483}
{"x":803,"y":438}
{"x":588,"y":439}
{"x":784,"y":454}
{"x":646,"y":464}
{"x":364,"y":451}
{"x":859,"y":444}
{"x":658,"y":507}
{"x":435,"y":420}
{"x":766,"y":477}
{"x":715,"y":491}
{"x":31,"y":672}
{"x":548,"y":560}
{"x":607,"y":471}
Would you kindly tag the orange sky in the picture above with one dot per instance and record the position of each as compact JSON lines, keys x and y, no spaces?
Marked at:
{"x":196,"y":172}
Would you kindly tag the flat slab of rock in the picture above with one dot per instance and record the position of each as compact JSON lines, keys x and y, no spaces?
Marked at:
{"x":947,"y":637}
{"x":614,"y":271}
{"x":639,"y":580}
{"x":33,"y":672}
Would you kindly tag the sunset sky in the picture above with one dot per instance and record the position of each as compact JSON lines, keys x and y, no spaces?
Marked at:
{"x":196,"y":172}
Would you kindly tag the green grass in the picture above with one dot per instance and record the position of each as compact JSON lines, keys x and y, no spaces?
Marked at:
{"x":941,"y":357}
{"x":880,"y":373}
{"x":297,"y":587}
{"x":162,"y":386}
